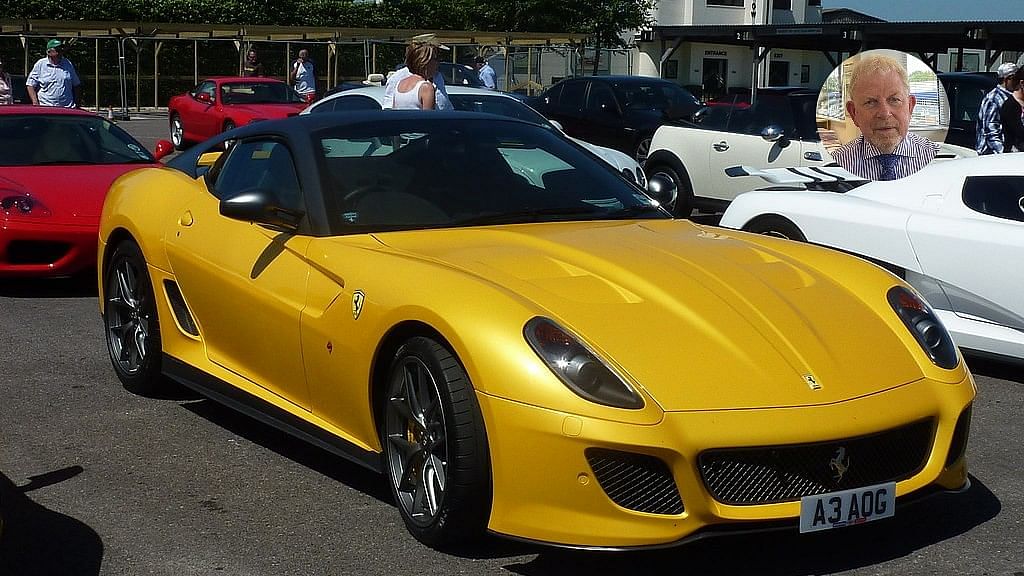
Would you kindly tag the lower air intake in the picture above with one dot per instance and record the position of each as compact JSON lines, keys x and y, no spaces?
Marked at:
{"x":635,"y":481}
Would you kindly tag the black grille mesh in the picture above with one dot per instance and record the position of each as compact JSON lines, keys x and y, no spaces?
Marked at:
{"x":784,"y":473}
{"x":635,"y":481}
{"x":36,"y":252}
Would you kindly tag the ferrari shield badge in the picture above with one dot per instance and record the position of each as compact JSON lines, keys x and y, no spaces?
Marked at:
{"x":357,"y":303}
{"x":811,"y":382}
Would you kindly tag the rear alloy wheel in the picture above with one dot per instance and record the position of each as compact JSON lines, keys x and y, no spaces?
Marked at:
{"x":177,"y":133}
{"x":642,"y":150}
{"x":130,"y":321}
{"x":684,"y":192}
{"x":776,"y":226}
{"x":435,"y":446}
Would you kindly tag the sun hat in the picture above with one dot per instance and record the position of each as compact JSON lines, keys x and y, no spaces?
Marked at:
{"x":53,"y":44}
{"x":1006,"y":69}
{"x":428,"y":39}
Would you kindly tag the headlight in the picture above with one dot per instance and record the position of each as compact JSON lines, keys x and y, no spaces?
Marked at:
{"x":579,"y":368}
{"x":925,"y":326}
{"x":22,"y":205}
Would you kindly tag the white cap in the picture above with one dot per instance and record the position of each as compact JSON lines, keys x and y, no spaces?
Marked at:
{"x":1006,"y":69}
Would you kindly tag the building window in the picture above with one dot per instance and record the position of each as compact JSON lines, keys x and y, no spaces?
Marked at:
{"x":805,"y":73}
{"x":726,"y":3}
{"x":671,"y":69}
{"x":814,"y":2}
{"x":782,"y":5}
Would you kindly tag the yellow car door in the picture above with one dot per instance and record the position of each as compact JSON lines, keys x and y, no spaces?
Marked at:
{"x":245,"y":283}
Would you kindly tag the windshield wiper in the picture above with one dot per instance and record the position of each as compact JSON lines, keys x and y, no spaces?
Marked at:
{"x":523,"y":216}
{"x":635,"y":211}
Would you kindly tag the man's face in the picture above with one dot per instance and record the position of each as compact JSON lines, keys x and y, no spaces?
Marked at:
{"x":53,"y":53}
{"x":251,"y":56}
{"x":881,"y":108}
{"x":303,"y":54}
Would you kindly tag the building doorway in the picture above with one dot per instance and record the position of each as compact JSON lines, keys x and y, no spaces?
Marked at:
{"x":778,"y":73}
{"x":713,"y":83}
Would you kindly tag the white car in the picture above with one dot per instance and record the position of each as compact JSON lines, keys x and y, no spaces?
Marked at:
{"x":479,"y":100}
{"x":777,"y":131}
{"x":954,"y":230}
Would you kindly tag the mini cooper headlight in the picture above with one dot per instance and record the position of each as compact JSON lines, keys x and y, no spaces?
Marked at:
{"x":579,"y":368}
{"x":925,"y":326}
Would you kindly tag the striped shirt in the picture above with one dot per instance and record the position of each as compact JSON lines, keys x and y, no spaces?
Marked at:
{"x":990,"y":127}
{"x":861,"y":158}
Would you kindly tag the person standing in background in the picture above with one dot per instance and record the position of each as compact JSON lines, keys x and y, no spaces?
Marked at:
{"x":441,"y":101}
{"x":486,"y":73}
{"x":53,"y":80}
{"x":252,"y":65}
{"x":990,"y":128}
{"x":1010,"y":115}
{"x":6,"y":89}
{"x":303,"y":77}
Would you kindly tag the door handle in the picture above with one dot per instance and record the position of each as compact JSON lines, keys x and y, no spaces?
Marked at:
{"x":816,"y":156}
{"x":721,"y":146}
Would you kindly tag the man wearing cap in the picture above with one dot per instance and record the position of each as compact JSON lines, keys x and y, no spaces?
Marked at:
{"x":53,"y":80}
{"x":486,"y":73}
{"x":441,"y":101}
{"x":990,"y":127}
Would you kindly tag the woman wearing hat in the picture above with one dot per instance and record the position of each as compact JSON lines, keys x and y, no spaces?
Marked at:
{"x":53,"y":80}
{"x":6,"y":90}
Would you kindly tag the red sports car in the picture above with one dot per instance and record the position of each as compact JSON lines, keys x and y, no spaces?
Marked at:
{"x":56,"y":165}
{"x":220,"y":104}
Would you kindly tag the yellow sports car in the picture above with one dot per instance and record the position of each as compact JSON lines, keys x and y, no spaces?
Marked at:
{"x":523,"y":342}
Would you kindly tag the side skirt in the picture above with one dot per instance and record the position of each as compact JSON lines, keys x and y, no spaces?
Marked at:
{"x":226,"y":394}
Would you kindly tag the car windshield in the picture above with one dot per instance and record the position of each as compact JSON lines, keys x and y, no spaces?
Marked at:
{"x":499,"y":105}
{"x":258,"y":93}
{"x":43,"y":139}
{"x":655,"y":96}
{"x":459,"y":75}
{"x":438,"y":173}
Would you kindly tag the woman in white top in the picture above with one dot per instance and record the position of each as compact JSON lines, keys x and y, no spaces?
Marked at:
{"x":416,"y":92}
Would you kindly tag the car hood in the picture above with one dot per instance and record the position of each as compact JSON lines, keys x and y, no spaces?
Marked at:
{"x":268,"y":111}
{"x":70,"y":192}
{"x":699,"y":319}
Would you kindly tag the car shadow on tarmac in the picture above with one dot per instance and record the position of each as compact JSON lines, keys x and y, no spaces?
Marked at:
{"x":789,"y":553}
{"x":36,"y":540}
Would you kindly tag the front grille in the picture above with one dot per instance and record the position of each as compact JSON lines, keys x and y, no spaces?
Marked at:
{"x":36,"y":252}
{"x":958,"y":445}
{"x":635,"y":481}
{"x":765,"y":475}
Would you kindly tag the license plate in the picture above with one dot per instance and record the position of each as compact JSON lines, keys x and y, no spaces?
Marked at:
{"x":847,"y":508}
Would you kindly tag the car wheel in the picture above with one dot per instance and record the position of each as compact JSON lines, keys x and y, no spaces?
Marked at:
{"x":130,"y":321}
{"x":435,"y":446}
{"x":228,"y":125}
{"x":643,"y":148}
{"x":776,"y":226}
{"x":684,"y":191}
{"x":177,"y":133}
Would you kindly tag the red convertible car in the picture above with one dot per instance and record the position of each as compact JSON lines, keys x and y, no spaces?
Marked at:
{"x":56,"y":165}
{"x":220,"y":104}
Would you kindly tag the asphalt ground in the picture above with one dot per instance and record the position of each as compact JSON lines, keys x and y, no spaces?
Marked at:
{"x":95,"y":480}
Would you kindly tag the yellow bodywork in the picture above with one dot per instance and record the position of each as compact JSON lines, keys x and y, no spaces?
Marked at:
{"x":716,"y":329}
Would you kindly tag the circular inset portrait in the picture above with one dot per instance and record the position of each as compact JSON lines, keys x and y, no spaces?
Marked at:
{"x":883,"y":113}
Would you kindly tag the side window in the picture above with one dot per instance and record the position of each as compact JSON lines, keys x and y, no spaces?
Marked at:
{"x":323,"y":106}
{"x":553,"y":94}
{"x":601,"y":98}
{"x":350,"y":103}
{"x":716,"y":117}
{"x":265,"y":165}
{"x":766,"y":111}
{"x":572,"y":95}
{"x":207,"y":88}
{"x":999,"y":196}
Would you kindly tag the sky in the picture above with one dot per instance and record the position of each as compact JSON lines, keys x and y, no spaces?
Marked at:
{"x":934,"y":10}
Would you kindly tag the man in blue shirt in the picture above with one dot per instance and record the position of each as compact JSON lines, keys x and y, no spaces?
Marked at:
{"x":990,"y":127}
{"x":486,"y":73}
{"x":53,"y":80}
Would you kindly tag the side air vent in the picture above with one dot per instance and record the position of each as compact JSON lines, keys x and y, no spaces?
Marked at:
{"x":181,"y":313}
{"x":959,"y":444}
{"x":635,"y":481}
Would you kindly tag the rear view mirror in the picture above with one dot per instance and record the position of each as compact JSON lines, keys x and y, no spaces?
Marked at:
{"x":204,"y":98}
{"x":261,"y":207}
{"x":163,"y":149}
{"x":775,"y":133}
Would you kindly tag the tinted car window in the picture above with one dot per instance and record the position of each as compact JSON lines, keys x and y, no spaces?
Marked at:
{"x":500,"y":105}
{"x":259,"y":165}
{"x":208,"y":88}
{"x":31,"y":139}
{"x":655,"y":96}
{"x":999,"y":196}
{"x":258,"y":93}
{"x":601,"y":97}
{"x":459,"y":75}
{"x":553,"y":94}
{"x":355,"y":102}
{"x":572,"y":94}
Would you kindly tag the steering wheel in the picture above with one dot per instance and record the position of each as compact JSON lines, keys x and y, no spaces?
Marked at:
{"x":352,"y":198}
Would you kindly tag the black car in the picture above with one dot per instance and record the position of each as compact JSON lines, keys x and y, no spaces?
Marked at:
{"x":620,"y":112}
{"x":965,"y":91}
{"x":18,"y":91}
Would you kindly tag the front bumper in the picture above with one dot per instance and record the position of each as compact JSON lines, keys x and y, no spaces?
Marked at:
{"x":46,"y":248}
{"x":545,"y":490}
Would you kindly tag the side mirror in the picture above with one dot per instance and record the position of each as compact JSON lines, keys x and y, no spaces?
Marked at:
{"x":163,"y":149}
{"x":775,"y":133}
{"x":204,"y":98}
{"x":663,"y":189}
{"x":261,"y":207}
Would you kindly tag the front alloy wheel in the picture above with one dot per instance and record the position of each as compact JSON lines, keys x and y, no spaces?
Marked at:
{"x":177,"y":132}
{"x":435,"y":448}
{"x":130,"y":319}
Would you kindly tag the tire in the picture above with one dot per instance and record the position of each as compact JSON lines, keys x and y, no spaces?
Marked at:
{"x":228,"y":125}
{"x":435,"y":447}
{"x":177,"y":133}
{"x":130,"y":321}
{"x":643,"y":149}
{"x":684,"y":191}
{"x":776,"y":226}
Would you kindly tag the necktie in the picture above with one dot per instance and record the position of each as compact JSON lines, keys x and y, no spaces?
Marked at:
{"x":888,"y":162}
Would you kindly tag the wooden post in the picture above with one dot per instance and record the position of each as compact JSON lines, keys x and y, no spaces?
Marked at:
{"x":156,"y":73}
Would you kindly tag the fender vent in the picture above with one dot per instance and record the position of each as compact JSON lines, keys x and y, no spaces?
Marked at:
{"x":635,"y":481}
{"x":959,"y":443}
{"x":181,"y":313}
